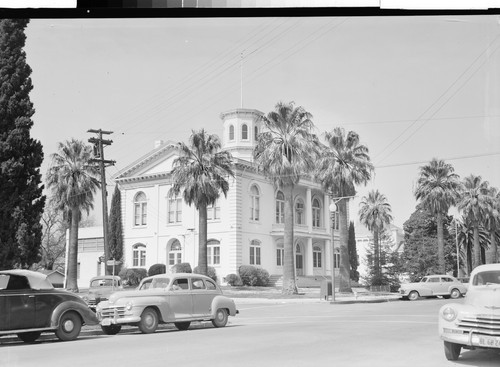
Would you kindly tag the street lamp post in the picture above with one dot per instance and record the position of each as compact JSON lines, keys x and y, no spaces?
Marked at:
{"x":333,"y":209}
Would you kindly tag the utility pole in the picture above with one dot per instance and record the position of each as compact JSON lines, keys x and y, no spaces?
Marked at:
{"x":99,"y":144}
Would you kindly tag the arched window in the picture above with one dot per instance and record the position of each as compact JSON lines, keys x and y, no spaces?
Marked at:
{"x":139,"y":255}
{"x":213,"y":252}
{"x":175,"y":253}
{"x":317,"y":257}
{"x":140,"y":209}
{"x":254,"y":203}
{"x":231,"y":132}
{"x":299,"y":212}
{"x":255,"y":133}
{"x":280,"y":254}
{"x":316,"y":213}
{"x":244,"y":132}
{"x":255,"y":252}
{"x":280,"y":208}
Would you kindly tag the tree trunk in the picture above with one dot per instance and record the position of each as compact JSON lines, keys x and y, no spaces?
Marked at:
{"x":72,"y":271}
{"x":345,"y":268}
{"x":477,"y":247}
{"x":491,"y":256}
{"x":202,"y":240}
{"x":440,"y":243}
{"x":289,"y":283}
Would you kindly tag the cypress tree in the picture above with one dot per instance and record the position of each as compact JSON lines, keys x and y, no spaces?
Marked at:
{"x":115,"y":226}
{"x":353,"y":253}
{"x":21,"y":199}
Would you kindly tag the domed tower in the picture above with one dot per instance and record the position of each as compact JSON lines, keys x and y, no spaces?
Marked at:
{"x":241,"y":128}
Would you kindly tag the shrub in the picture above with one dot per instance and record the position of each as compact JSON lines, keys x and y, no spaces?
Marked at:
{"x":248,"y":275}
{"x":262,"y":277}
{"x":181,"y":268}
{"x":233,"y":280}
{"x":157,"y":269}
{"x":211,"y":273}
{"x":133,"y":276}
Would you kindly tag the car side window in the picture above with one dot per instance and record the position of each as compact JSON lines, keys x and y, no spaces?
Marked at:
{"x":198,"y":284}
{"x":210,"y":285}
{"x":179,"y":284}
{"x":18,"y":282}
{"x":433,"y":280}
{"x":145,"y":285}
{"x":446,"y":279}
{"x":4,"y":280}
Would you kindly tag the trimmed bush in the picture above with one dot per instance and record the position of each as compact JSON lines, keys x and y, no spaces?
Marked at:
{"x":157,"y":269}
{"x":181,"y":268}
{"x":133,"y":276}
{"x":211,"y":273}
{"x":233,"y":280}
{"x":253,"y":276}
{"x":262,"y":277}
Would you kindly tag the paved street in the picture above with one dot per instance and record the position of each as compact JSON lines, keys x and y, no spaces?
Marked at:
{"x":267,"y":334}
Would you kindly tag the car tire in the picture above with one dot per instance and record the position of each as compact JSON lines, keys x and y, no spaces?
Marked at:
{"x":455,"y":293}
{"x":29,"y":337}
{"x":149,"y":321}
{"x":413,"y":295}
{"x":111,"y":329}
{"x":69,"y":327}
{"x":182,"y":325}
{"x":220,"y":318}
{"x":452,"y":351}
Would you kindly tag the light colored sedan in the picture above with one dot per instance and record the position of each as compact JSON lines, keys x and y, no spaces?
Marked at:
{"x":433,"y":285}
{"x":166,"y":298}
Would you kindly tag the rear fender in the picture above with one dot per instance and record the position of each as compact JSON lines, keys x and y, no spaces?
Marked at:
{"x":223,"y":302}
{"x":88,"y":317}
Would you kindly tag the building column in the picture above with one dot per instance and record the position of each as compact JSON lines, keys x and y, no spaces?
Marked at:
{"x":309,"y":269}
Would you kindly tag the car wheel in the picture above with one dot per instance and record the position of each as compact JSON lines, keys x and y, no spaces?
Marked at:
{"x":29,"y":337}
{"x":220,"y":318}
{"x":111,"y":329}
{"x":455,"y":293}
{"x":182,"y":325}
{"x":149,"y":321}
{"x":413,"y":295}
{"x":452,"y":351}
{"x":70,"y":325}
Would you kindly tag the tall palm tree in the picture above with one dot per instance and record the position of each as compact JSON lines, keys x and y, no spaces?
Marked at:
{"x":285,"y":152}
{"x":474,"y":203}
{"x":201,"y":171}
{"x":465,"y":237}
{"x":437,"y":189}
{"x":375,"y":213}
{"x":343,"y":164}
{"x":73,"y":180}
{"x":492,"y":224}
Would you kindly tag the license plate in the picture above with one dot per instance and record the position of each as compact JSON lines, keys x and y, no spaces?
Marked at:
{"x":106,"y":322}
{"x":489,"y":341}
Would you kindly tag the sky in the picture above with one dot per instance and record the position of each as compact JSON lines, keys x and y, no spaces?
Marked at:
{"x":413,"y":87}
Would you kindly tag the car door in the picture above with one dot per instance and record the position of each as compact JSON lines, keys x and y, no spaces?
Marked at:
{"x":181,"y":301}
{"x":18,"y":302}
{"x":203,"y":293}
{"x":435,"y":285}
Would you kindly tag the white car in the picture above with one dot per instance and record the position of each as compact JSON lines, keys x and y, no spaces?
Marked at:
{"x":433,"y":285}
{"x":475,"y":323}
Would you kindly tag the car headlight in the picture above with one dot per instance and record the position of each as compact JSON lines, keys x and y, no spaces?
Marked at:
{"x":129,"y":306}
{"x":449,"y":314}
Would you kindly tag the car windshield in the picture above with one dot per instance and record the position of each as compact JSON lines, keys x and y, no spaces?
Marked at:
{"x":104,"y":283}
{"x":487,"y":277}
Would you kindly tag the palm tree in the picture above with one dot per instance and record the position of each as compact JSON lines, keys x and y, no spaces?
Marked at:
{"x":200,"y":171}
{"x":73,"y":181}
{"x":285,"y":152}
{"x":437,"y":189}
{"x":465,"y":238}
{"x":375,"y":214}
{"x":492,"y":224}
{"x":474,"y":203}
{"x":343,"y":163}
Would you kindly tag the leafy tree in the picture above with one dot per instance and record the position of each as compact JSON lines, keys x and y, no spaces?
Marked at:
{"x":73,"y":181}
{"x":437,"y":189}
{"x":375,"y":213}
{"x":285,"y":152}
{"x":492,"y":224}
{"x":53,"y":245}
{"x":200,"y":172}
{"x":115,"y":236}
{"x":353,"y":253}
{"x":21,"y":199}
{"x":343,"y":163}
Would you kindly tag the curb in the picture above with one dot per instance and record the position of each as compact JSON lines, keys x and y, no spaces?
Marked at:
{"x":348,"y":302}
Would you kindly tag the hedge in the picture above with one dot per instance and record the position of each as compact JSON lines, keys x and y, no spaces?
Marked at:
{"x":181,"y":268}
{"x":211,"y":272}
{"x":253,"y":276}
{"x":133,"y":276}
{"x":157,"y":269}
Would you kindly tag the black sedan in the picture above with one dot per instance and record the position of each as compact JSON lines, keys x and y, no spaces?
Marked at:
{"x":29,"y":305}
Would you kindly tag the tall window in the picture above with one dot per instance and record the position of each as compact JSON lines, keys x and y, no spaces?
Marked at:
{"x":213,"y":211}
{"x":336,"y":258}
{"x":231,"y":132}
{"x":139,"y":255}
{"x":299,"y":212}
{"x":280,"y":208}
{"x":316,"y":213}
{"x":244,"y":132}
{"x":175,"y":253}
{"x":317,"y":257}
{"x":255,"y":252}
{"x":335,"y":216}
{"x":255,"y":133}
{"x":280,"y":255}
{"x":140,"y":209}
{"x":254,"y":203}
{"x":174,"y":210}
{"x":213,"y":252}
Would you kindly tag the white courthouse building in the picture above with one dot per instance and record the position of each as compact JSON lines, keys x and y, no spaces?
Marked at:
{"x":246,"y":228}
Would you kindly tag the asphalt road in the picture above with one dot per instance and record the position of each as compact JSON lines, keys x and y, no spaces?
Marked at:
{"x":398,"y":333}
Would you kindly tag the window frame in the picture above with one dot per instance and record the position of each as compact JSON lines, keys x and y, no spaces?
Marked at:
{"x":279,"y":208}
{"x":255,"y":253}
{"x":254,"y":203}
{"x":213,"y":253}
{"x":140,"y":250}
{"x":316,"y":213}
{"x":140,"y":209}
{"x":174,"y":210}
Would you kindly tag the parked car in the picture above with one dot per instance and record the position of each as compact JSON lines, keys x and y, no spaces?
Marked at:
{"x":100,"y":288}
{"x":475,"y":323}
{"x":433,"y":285}
{"x":166,"y":298}
{"x":29,"y":305}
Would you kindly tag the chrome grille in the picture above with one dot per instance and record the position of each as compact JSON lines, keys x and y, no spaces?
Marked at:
{"x":118,"y":311}
{"x":481,"y":324}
